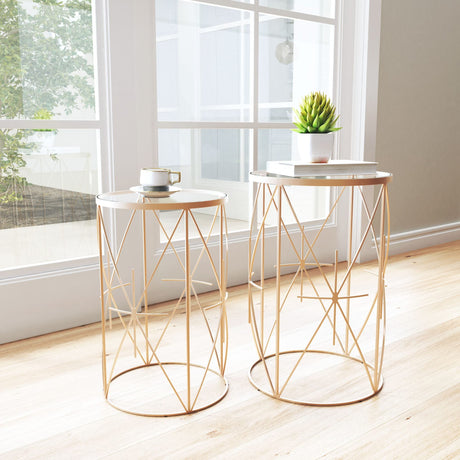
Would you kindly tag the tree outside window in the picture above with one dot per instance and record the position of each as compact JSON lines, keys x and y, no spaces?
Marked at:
{"x":46,"y":72}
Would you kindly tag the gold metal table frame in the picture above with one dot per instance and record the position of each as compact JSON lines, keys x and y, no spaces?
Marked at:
{"x":137,"y":339}
{"x":347,"y":328}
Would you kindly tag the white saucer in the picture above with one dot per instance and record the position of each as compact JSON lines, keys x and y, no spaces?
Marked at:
{"x":154,"y":193}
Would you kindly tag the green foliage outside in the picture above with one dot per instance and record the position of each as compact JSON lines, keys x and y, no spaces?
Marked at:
{"x":46,"y":70}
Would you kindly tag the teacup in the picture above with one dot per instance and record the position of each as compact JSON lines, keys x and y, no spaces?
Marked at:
{"x":158,"y":178}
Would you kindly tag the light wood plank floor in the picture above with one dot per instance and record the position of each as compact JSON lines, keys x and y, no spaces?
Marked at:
{"x":51,"y":403}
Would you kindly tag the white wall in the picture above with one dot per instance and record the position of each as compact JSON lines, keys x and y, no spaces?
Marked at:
{"x":419,"y":119}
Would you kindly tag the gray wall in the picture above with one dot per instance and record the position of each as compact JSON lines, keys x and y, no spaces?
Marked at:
{"x":418,"y":131}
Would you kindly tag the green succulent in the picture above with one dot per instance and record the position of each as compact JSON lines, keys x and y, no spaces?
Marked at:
{"x":316,"y":114}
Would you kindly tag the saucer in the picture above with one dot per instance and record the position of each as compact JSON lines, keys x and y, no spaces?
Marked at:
{"x":149,"y":193}
{"x":155,"y":188}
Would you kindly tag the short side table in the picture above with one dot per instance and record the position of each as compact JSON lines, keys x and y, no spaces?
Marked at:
{"x":162,"y":361}
{"x":335,"y":355}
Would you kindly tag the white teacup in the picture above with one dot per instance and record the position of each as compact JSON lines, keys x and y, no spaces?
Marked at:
{"x":159,"y":177}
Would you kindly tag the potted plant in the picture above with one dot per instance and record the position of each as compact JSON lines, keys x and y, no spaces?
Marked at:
{"x":315,"y":121}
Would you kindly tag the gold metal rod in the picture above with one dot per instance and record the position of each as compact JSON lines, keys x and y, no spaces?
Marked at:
{"x":144,"y":314}
{"x":381,"y":286}
{"x":293,"y":280}
{"x":361,"y":354}
{"x":169,"y":243}
{"x":259,"y":233}
{"x":336,"y":202}
{"x":205,"y":250}
{"x":310,"y":247}
{"x":251,"y":231}
{"x":368,"y":214}
{"x":334,"y":327}
{"x":349,"y":256}
{"x":122,"y":243}
{"x":182,"y":280}
{"x":188,"y":307}
{"x":318,"y":297}
{"x":304,"y":351}
{"x":259,"y":345}
{"x":366,"y":320}
{"x":120,"y":346}
{"x":278,"y":291}
{"x":302,"y":255}
{"x":321,"y":228}
{"x":205,"y":318}
{"x":382,"y":347}
{"x":101,"y":283}
{"x":133,"y":311}
{"x":115,"y":267}
{"x":262,"y":272}
{"x":293,"y":246}
{"x":363,"y":239}
{"x":384,"y":314}
{"x":171,"y":316}
{"x":222,"y":289}
{"x":213,"y":351}
{"x":252,"y":283}
{"x":146,"y":302}
{"x":110,"y":289}
{"x":170,"y":237}
{"x":330,"y":298}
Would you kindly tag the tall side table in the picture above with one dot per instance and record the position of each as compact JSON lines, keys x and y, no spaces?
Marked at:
{"x":164,"y":361}
{"x":336,"y":356}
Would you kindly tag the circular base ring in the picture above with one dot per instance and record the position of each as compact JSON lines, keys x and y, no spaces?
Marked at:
{"x":314,"y":403}
{"x":168,"y":414}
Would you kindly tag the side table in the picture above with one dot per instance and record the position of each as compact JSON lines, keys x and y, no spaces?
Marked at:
{"x":162,"y":361}
{"x":336,"y":355}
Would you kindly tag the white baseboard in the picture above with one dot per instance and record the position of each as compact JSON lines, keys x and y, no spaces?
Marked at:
{"x":424,"y":238}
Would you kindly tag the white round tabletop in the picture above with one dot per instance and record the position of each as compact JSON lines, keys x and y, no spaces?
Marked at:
{"x":321,"y":181}
{"x":181,"y":199}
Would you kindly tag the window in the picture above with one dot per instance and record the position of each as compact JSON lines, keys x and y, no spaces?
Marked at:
{"x":49,"y":132}
{"x":227,"y":79}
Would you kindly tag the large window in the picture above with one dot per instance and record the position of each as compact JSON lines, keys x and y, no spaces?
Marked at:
{"x":228,"y":76}
{"x":49,"y":132}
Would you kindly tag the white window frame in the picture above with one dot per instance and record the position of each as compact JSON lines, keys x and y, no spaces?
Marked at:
{"x":254,"y":125}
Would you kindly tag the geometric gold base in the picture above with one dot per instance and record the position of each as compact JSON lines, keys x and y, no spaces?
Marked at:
{"x":338,"y":358}
{"x":164,"y":406}
{"x":147,"y":369}
{"x":334,"y":389}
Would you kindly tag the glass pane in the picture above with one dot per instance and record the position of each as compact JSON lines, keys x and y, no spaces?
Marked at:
{"x":296,"y":57}
{"x":316,"y":7}
{"x":310,"y":203}
{"x":46,"y":51}
{"x":202,"y":62}
{"x":274,"y":145}
{"x":211,"y":159}
{"x":47,"y":195}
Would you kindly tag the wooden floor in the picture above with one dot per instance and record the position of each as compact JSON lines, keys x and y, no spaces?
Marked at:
{"x":52,"y":407}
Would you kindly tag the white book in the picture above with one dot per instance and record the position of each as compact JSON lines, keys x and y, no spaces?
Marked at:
{"x":295,"y":168}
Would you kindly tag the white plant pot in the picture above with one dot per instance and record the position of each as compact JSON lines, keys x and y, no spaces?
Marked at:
{"x":315,"y":148}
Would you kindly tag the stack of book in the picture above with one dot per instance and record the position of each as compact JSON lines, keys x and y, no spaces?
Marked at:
{"x":294,"y":168}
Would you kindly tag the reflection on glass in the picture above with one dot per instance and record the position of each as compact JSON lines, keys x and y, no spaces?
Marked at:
{"x":296,"y":57}
{"x":316,"y":7}
{"x":311,"y":203}
{"x":274,"y":145}
{"x":47,"y":60}
{"x":47,"y":196}
{"x":211,"y":159}
{"x":202,"y":62}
